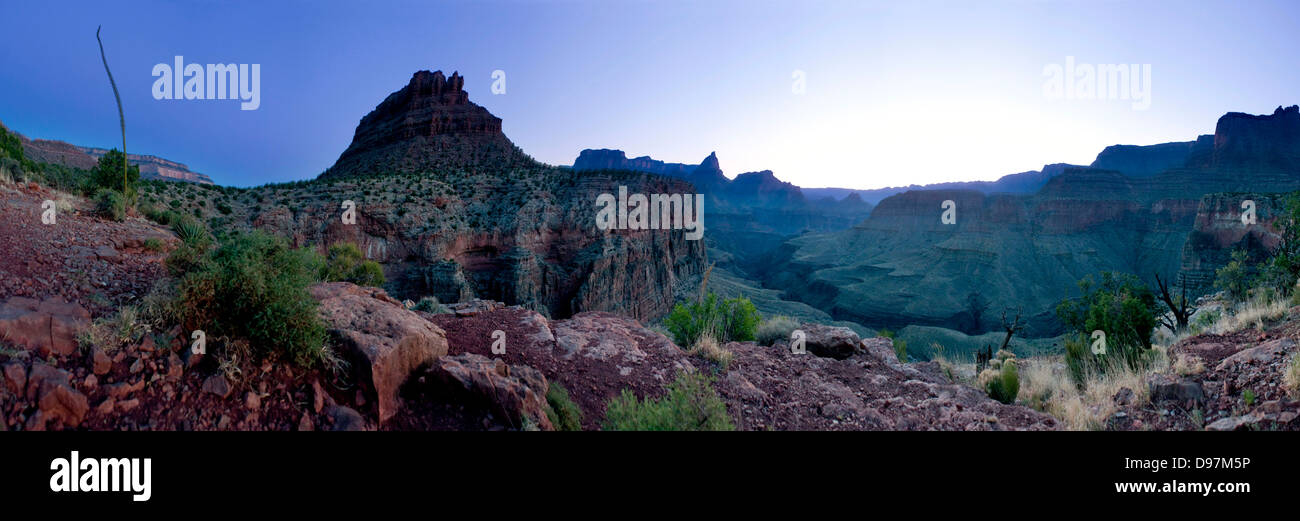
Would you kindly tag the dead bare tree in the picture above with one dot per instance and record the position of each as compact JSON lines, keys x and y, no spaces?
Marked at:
{"x":1011,"y":327}
{"x":1180,"y":306}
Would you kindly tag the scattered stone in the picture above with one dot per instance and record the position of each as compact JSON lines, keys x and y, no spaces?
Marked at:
{"x":90,"y":382}
{"x":345,"y":418}
{"x":137,"y":365}
{"x":253,"y":402}
{"x":174,"y":369}
{"x":122,"y":389}
{"x":106,"y":406}
{"x":147,"y":344}
{"x":217,"y":384}
{"x":127,"y":405}
{"x":305,"y":424}
{"x":880,"y":348}
{"x":1125,"y":396}
{"x":1165,"y":387}
{"x":1233,"y":423}
{"x":15,"y":377}
{"x":102,"y":364}
{"x":318,"y":396}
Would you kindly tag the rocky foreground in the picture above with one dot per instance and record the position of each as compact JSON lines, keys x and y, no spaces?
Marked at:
{"x":413,"y":370}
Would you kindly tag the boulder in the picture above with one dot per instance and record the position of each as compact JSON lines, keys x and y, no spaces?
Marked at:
{"x":880,"y":348}
{"x":56,"y":398}
{"x":217,"y":384}
{"x":1166,"y":388}
{"x":1261,"y":354}
{"x":49,"y":326}
{"x":15,"y":377}
{"x":1233,"y":423}
{"x":386,"y":341}
{"x":516,"y":393}
{"x":344,"y":418}
{"x":830,"y":341}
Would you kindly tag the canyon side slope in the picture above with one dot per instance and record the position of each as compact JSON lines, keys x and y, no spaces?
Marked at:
{"x":904,"y":266}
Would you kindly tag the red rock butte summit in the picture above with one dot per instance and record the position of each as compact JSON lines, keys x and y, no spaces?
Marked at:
{"x":428,"y":125}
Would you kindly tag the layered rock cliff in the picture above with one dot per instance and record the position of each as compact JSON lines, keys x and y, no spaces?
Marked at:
{"x":1219,"y":229}
{"x":451,"y":209}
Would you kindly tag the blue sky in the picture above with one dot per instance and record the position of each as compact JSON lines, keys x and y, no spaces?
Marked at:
{"x":894,"y":92}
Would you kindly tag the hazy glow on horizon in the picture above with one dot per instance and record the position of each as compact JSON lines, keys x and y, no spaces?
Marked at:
{"x":896,"y":93}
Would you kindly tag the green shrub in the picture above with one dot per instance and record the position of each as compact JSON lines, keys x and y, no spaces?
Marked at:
{"x":900,"y":345}
{"x":730,"y":320}
{"x":774,"y":329}
{"x":563,"y":413}
{"x":1122,"y":307}
{"x":107,"y":174}
{"x":690,"y":405}
{"x":1282,"y":269}
{"x":254,"y":286}
{"x":900,"y":349}
{"x":345,"y":262}
{"x":190,"y":230}
{"x":1003,"y":386}
{"x":1233,"y":278}
{"x":153,"y":244}
{"x":110,"y":204}
{"x":430,"y":305}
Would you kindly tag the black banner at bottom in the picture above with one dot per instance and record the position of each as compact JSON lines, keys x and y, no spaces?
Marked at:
{"x":136,"y":471}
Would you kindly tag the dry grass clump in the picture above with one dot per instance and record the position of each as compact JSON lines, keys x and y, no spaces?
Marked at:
{"x":1292,"y":377}
{"x":1046,"y":386}
{"x":707,"y":347}
{"x":1255,"y":314}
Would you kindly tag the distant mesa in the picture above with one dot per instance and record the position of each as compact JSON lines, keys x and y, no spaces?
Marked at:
{"x":85,"y":158}
{"x":1263,"y":141}
{"x":428,"y":125}
{"x":154,"y":167}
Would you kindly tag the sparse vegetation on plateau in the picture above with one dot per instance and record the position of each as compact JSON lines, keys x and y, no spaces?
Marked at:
{"x":560,"y":409}
{"x":345,"y":262}
{"x":254,"y":286}
{"x":730,"y":320}
{"x":774,"y":329}
{"x":110,"y":204}
{"x":690,"y":404}
{"x":1120,"y":306}
{"x":1002,"y":380}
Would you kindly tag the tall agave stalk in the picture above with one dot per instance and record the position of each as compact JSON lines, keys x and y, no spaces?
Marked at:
{"x":120,"y":116}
